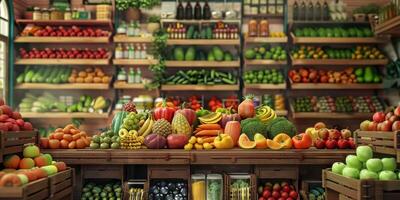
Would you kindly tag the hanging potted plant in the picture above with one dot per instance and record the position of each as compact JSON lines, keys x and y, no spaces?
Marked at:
{"x":133,"y":7}
{"x":29,"y":13}
{"x":153,"y":24}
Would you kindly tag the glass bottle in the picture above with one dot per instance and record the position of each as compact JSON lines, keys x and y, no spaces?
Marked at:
{"x":121,"y":75}
{"x":138,"y":51}
{"x":325,"y":11}
{"x":310,"y":11}
{"x":131,"y":29}
{"x":45,"y":14}
{"x":136,"y":31}
{"x":119,"y":52}
{"x":253,"y":28}
{"x":197,"y":11}
{"x":188,"y":11}
{"x":180,"y":11}
{"x":295,"y":11}
{"x":67,"y":14}
{"x":131,"y":75}
{"x":138,"y":77}
{"x":264,"y":28}
{"x":206,"y":11}
{"x":144,"y":52}
{"x":122,"y":28}
{"x":302,"y":10}
{"x":37,"y":14}
{"x":131,"y":54}
{"x":317,"y":11}
{"x":126,"y":51}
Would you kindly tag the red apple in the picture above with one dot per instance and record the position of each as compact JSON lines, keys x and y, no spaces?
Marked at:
{"x":346,"y":133}
{"x":388,"y":115}
{"x":276,"y":194}
{"x":286,"y":188}
{"x":319,"y":143}
{"x":343,"y":144}
{"x":284,"y":184}
{"x":177,"y":141}
{"x":271,"y":198}
{"x":284,"y":194}
{"x":266,"y":193}
{"x":293,"y":194}
{"x":319,"y":125}
{"x":386,"y":126}
{"x":334,"y":134}
{"x":323,"y":133}
{"x":281,"y":198}
{"x":276,"y":187}
{"x":352,"y":144}
{"x":378,"y":117}
{"x":331,"y":144}
{"x":373,"y":126}
{"x":289,"y":198}
{"x":397,"y":111}
{"x":396,"y":126}
{"x":261,"y":198}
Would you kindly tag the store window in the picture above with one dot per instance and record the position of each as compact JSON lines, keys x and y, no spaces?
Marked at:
{"x":3,"y":45}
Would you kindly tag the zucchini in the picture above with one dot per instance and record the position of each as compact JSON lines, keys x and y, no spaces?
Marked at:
{"x":228,"y":81}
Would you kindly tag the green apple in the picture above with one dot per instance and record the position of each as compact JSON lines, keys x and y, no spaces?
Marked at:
{"x":338,"y":167}
{"x":50,"y":169}
{"x":352,"y":161}
{"x":387,"y":175}
{"x":24,"y":179}
{"x":374,"y":164}
{"x":389,"y":164}
{"x":364,"y":153}
{"x":351,"y":172}
{"x":366,"y":174}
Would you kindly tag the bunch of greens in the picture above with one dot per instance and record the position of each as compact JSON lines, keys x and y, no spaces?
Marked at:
{"x":146,"y":4}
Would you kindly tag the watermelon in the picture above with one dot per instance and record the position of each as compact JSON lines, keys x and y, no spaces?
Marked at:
{"x":117,"y":121}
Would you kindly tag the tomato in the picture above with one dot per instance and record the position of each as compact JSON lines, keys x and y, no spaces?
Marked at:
{"x":54,"y":144}
{"x":302,"y":141}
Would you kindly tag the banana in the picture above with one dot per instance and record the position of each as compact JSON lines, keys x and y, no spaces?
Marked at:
{"x":144,"y":126}
{"x":211,"y":118}
{"x":149,"y":128}
{"x":100,"y":103}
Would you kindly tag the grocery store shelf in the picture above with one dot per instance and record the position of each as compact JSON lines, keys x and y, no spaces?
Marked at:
{"x":125,"y":85}
{"x":281,"y":86}
{"x":184,"y":21}
{"x":281,"y":112}
{"x":203,"y":42}
{"x":135,"y":61}
{"x":31,"y":39}
{"x":264,"y":62}
{"x":64,"y":115}
{"x":76,"y":22}
{"x":266,"y":39}
{"x":330,"y":22}
{"x":336,"y":86}
{"x":330,"y":115}
{"x":46,"y":61}
{"x":347,"y":62}
{"x":200,"y":87}
{"x":124,"y":38}
{"x":64,"y":86}
{"x":264,"y":15}
{"x":391,"y":26}
{"x":202,"y":63}
{"x":338,"y":40}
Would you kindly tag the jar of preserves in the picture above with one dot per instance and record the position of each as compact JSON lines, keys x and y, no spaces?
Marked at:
{"x":37,"y":14}
{"x":45,"y":14}
{"x":264,"y":28}
{"x":67,"y":14}
{"x":253,"y":28}
{"x":199,"y":187}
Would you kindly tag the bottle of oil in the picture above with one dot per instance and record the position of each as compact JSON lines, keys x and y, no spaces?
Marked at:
{"x":295,"y":11}
{"x":302,"y":11}
{"x":206,"y":11}
{"x":180,"y":12}
{"x":197,"y":11}
{"x":188,"y":11}
{"x":317,"y":11}
{"x":310,"y":11}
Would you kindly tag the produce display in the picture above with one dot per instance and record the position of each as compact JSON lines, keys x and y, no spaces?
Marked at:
{"x":68,"y":137}
{"x":355,"y":53}
{"x":19,"y":171}
{"x":49,"y":103}
{"x":347,"y":76}
{"x":366,"y":104}
{"x":136,"y":194}
{"x":109,"y":190}
{"x":12,"y":120}
{"x":240,"y":189}
{"x":202,"y":77}
{"x":330,"y":138}
{"x":316,"y":193}
{"x":194,"y":53}
{"x":277,"y":190}
{"x":364,"y":166}
{"x":168,"y":189}
{"x":266,"y":76}
{"x":105,"y":140}
{"x":61,"y":31}
{"x":219,"y":30}
{"x":383,"y":121}
{"x":277,"y":53}
{"x":89,"y":75}
{"x":73,"y":53}
{"x":337,"y":32}
{"x":277,"y":102}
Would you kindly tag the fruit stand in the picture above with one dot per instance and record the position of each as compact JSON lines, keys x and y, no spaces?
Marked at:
{"x":218,"y":100}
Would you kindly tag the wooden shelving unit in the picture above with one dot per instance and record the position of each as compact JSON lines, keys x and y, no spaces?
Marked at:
{"x":203,"y":42}
{"x":127,"y":39}
{"x":200,"y":21}
{"x":330,"y":115}
{"x":203,"y":64}
{"x":76,"y":22}
{"x":134,"y":62}
{"x":266,"y":40}
{"x":264,"y":62}
{"x":64,"y":86}
{"x":391,"y":26}
{"x":125,"y":85}
{"x":332,"y":62}
{"x":64,"y":115}
{"x":31,"y":39}
{"x":336,"y":86}
{"x":338,"y":40}
{"x":46,"y":61}
{"x":281,"y":86}
{"x":200,"y":87}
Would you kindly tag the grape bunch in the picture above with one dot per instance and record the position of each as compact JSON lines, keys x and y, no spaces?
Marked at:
{"x":134,"y":121}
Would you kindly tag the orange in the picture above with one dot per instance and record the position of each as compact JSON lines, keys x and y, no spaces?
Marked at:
{"x":245,"y":143}
{"x":284,"y":140}
{"x":274,"y":145}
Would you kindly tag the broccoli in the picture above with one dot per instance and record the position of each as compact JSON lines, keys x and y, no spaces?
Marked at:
{"x":251,"y":126}
{"x":280,"y":125}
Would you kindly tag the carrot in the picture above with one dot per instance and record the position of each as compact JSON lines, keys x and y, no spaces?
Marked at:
{"x":207,"y":133}
{"x":209,"y":139}
{"x":210,"y":126}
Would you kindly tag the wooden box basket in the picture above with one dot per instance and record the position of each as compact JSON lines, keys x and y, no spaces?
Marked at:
{"x":13,"y":141}
{"x":62,"y":185}
{"x":380,"y":141}
{"x":233,"y":195}
{"x":36,"y":190}
{"x":338,"y":187}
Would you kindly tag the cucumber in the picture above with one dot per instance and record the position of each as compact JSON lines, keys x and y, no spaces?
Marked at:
{"x":228,"y":81}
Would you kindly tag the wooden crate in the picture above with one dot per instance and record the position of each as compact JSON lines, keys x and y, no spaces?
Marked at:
{"x":168,"y":172}
{"x":62,"y":184}
{"x":380,"y":141}
{"x":278,"y":172}
{"x":103,"y":172}
{"x":13,"y":141}
{"x":36,"y":190}
{"x":343,"y":188}
{"x":305,"y":188}
{"x":228,"y":179}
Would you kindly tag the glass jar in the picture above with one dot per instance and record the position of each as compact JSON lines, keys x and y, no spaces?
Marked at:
{"x":198,"y":187}
{"x":37,"y":14}
{"x":264,"y":28}
{"x":54,"y":14}
{"x":67,"y":14}
{"x":253,"y":28}
{"x":45,"y":14}
{"x":214,"y":186}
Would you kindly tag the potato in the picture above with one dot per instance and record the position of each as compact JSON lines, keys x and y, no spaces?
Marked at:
{"x":82,"y":74}
{"x":97,"y":80}
{"x":79,"y":80}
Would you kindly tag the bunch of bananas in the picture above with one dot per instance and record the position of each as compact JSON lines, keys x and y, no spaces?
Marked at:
{"x":211,"y":118}
{"x":131,"y":139}
{"x":265,"y":113}
{"x":136,"y":194}
{"x":146,"y":127}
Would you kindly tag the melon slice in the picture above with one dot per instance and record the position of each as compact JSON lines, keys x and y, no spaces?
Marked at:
{"x":245,"y":143}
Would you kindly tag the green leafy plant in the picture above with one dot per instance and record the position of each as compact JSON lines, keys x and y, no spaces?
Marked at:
{"x":146,"y":4}
{"x":153,"y":19}
{"x":159,"y":51}
{"x":160,"y":43}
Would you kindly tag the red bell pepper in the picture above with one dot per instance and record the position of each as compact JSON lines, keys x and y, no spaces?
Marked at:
{"x":164,"y":112}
